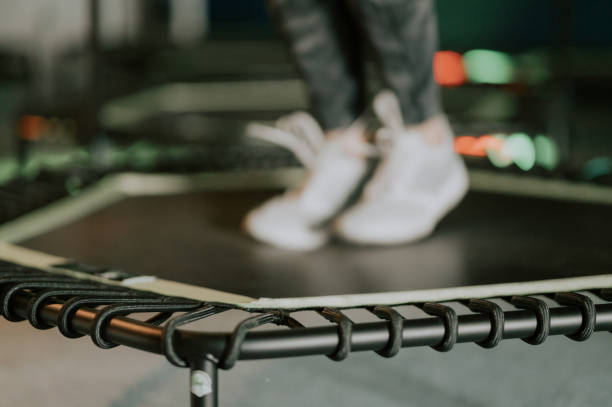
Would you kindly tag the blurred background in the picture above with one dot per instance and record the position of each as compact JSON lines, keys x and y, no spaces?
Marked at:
{"x":94,"y":87}
{"x":90,"y":88}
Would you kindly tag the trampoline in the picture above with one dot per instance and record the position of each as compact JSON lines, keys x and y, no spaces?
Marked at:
{"x":507,"y":263}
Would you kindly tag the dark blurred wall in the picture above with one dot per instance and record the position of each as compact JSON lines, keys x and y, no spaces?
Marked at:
{"x":496,"y":24}
{"x":466,"y":24}
{"x":237,"y":10}
{"x":592,"y":22}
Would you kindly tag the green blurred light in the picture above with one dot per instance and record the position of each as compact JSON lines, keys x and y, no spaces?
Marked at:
{"x":73,"y":185}
{"x":82,"y":155}
{"x":498,"y":157}
{"x":30,"y":169}
{"x":484,"y":66}
{"x":547,"y":152}
{"x":522,"y":150}
{"x":55,"y":160}
{"x":9,"y":169}
{"x":534,"y":67}
{"x":597,"y":167}
{"x":115,"y":157}
{"x":143,"y":155}
{"x":178,"y":153}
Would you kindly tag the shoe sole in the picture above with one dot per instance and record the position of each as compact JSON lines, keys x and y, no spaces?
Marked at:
{"x":451,"y":194}
{"x":320,"y":239}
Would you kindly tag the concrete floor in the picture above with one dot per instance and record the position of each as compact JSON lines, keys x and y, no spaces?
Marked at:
{"x":42,"y":368}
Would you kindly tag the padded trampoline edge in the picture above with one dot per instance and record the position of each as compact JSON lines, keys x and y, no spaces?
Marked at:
{"x":50,"y":263}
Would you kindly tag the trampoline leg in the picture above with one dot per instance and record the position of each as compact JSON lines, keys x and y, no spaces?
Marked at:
{"x":203,"y":384}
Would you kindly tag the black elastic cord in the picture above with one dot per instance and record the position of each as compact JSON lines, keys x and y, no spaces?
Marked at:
{"x":232,"y":351}
{"x":496,"y":317}
{"x":163,"y":306}
{"x":161,"y":317}
{"x":345,"y":330}
{"x":11,"y":290}
{"x":605,"y":293}
{"x":396,"y":326}
{"x":34,"y":305}
{"x":170,"y":328}
{"x":542,"y":313}
{"x":18,"y":277}
{"x":12,"y":268}
{"x":587,"y":309}
{"x":451,"y":324}
{"x":70,"y":307}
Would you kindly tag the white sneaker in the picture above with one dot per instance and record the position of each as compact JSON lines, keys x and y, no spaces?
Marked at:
{"x":416,"y":184}
{"x":297,"y":219}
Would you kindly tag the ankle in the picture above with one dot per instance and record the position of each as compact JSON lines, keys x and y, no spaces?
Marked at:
{"x":337,"y":132}
{"x":355,"y":132}
{"x":355,"y":139}
{"x":435,"y":131}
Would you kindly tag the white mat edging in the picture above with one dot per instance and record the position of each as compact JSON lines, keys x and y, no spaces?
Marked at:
{"x":436,"y":295}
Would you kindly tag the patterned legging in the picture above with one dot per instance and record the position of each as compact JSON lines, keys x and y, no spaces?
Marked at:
{"x":326,"y":40}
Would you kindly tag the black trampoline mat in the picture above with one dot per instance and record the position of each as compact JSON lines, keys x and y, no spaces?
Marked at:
{"x":195,"y":238}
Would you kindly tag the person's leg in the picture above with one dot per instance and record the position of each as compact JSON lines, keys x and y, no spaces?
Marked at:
{"x":324,"y":43}
{"x":420,"y":177}
{"x":404,"y":38}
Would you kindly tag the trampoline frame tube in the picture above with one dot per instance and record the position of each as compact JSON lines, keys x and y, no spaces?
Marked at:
{"x":204,"y":350}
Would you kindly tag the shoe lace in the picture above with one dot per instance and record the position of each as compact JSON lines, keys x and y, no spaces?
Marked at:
{"x":301,"y":134}
{"x":298,"y":132}
{"x":387,"y":108}
{"x":385,"y":181}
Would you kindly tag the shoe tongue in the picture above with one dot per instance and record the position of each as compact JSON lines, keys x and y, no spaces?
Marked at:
{"x":353,"y":142}
{"x":387,"y":108}
{"x":388,"y":139}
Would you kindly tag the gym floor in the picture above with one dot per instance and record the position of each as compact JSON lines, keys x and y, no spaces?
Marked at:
{"x":44,"y":368}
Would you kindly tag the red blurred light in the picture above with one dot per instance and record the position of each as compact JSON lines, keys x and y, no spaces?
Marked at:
{"x":448,"y":68}
{"x":31,"y":127}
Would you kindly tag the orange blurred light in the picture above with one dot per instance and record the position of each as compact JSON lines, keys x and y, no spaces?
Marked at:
{"x":477,"y":147}
{"x":31,"y":127}
{"x":492,"y":143}
{"x":463,"y":144}
{"x":448,"y":68}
